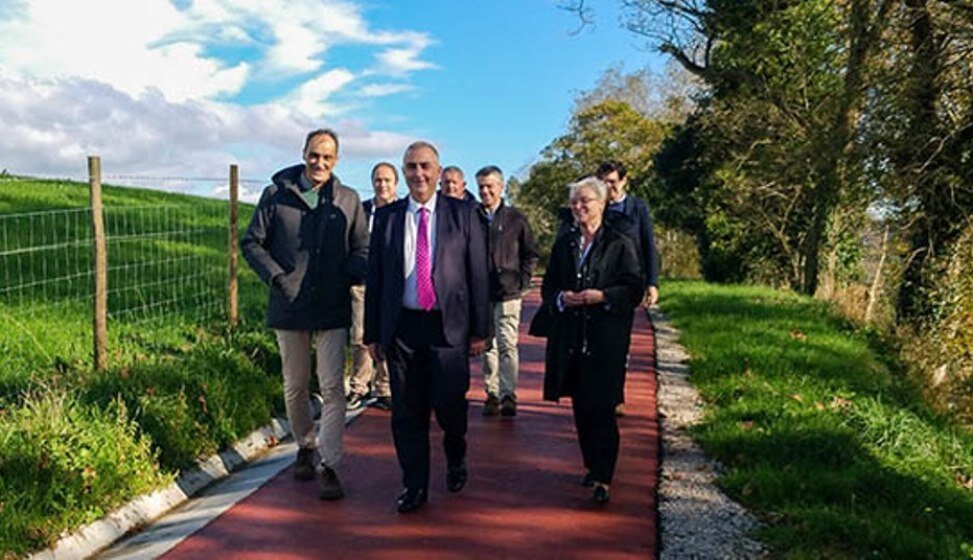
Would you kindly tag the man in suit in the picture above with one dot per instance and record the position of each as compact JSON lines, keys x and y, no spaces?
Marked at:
{"x":636,"y":210}
{"x":366,"y":372}
{"x":426,"y":313}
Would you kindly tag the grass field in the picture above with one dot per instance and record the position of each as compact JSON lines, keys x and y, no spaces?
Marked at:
{"x":74,"y":443}
{"x":822,"y":436}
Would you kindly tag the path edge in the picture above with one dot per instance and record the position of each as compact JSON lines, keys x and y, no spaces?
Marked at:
{"x":696,"y":519}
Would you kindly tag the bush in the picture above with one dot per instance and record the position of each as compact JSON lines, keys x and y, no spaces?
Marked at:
{"x":941,"y":351}
{"x":64,"y":463}
{"x":193,"y":404}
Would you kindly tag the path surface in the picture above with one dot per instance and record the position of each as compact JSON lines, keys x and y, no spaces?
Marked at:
{"x":522,"y":499}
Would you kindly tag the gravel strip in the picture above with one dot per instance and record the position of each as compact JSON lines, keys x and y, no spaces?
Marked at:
{"x":696,"y":519}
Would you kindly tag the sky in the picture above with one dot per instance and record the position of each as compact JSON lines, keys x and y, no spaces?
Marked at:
{"x":169,"y":93}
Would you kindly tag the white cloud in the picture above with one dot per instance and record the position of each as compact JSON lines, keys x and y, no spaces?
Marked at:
{"x":135,"y":46}
{"x":116,"y":42}
{"x":51,"y":126}
{"x":311,"y":97}
{"x":160,"y":91}
{"x":381,"y":90}
{"x":405,"y":59}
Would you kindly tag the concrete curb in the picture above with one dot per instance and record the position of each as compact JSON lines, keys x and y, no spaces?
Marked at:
{"x":98,"y":535}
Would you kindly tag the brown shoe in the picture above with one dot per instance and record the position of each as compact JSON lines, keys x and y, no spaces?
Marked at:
{"x":330,"y":485}
{"x":304,"y":465}
{"x":491,"y":406}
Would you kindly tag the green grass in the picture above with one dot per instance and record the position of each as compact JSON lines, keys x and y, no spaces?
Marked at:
{"x":823,"y":437}
{"x":75,"y":443}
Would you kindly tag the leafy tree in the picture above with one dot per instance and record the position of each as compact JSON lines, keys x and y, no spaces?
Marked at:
{"x":604,"y":130}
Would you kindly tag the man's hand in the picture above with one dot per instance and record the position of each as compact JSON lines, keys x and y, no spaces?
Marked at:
{"x":477,"y":346}
{"x":376,"y":352}
{"x":651,"y":296}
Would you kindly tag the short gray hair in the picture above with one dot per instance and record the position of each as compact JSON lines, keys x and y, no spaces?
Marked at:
{"x":454,"y":169}
{"x":421,"y":144}
{"x":590,"y":182}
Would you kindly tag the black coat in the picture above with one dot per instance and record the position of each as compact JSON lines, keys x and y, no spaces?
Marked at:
{"x":595,"y":337}
{"x":512,"y":253}
{"x":308,"y":256}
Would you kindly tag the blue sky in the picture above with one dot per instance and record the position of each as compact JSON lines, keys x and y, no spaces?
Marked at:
{"x":164,"y":88}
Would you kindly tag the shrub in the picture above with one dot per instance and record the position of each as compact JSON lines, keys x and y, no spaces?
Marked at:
{"x":192,"y":404}
{"x":941,"y":352}
{"x":64,"y":463}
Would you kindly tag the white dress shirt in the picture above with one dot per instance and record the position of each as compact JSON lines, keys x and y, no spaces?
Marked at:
{"x":410,"y":296}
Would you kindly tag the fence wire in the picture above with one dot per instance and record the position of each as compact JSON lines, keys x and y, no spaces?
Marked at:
{"x":162,"y":259}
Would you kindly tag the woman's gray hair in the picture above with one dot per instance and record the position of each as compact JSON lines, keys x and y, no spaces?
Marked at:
{"x":589,"y":182}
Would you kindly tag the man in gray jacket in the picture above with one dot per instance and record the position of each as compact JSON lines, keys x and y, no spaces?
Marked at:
{"x":308,"y":241}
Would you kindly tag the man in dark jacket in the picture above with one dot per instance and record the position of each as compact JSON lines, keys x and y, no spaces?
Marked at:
{"x":366,"y":372}
{"x":453,"y":183}
{"x":308,"y":241}
{"x":614,"y":175}
{"x":426,"y":313}
{"x":512,"y":259}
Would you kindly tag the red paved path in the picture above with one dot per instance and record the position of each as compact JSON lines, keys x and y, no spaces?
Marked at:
{"x":522,"y":499}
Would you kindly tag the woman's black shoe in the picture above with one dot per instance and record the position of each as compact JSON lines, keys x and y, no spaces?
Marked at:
{"x":601,"y":495}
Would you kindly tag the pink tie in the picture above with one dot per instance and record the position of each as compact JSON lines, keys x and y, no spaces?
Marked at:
{"x":424,"y":287}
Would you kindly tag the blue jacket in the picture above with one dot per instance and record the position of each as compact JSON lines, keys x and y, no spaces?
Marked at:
{"x":640,"y":229}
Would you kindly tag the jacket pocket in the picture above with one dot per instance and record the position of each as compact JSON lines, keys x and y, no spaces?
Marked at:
{"x":289,"y":285}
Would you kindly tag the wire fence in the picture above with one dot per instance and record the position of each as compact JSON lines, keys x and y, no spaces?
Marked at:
{"x":162,"y":258}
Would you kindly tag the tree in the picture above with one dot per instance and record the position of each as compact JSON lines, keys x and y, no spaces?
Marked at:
{"x":607,"y":129}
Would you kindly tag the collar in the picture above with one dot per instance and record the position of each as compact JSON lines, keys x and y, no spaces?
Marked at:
{"x":619,"y":201}
{"x":429,"y":205}
{"x":494,"y":211}
{"x":303,"y":183}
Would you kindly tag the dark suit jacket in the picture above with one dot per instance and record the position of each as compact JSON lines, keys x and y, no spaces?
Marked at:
{"x":459,"y":272}
{"x":637,"y":210}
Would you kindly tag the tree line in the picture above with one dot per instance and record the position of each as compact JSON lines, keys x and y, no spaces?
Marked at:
{"x":820,"y":145}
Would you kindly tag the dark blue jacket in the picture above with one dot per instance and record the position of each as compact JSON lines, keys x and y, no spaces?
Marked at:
{"x":640,"y":229}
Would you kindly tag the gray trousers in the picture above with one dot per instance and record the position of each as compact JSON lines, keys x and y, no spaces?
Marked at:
{"x":295,"y":355}
{"x":364,"y":370}
{"x":501,"y":362}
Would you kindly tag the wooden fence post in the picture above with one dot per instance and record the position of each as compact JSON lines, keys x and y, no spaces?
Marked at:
{"x":100,"y":258}
{"x":232,"y":288}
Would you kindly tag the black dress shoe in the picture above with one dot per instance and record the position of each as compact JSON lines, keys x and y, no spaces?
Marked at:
{"x":456,"y":478}
{"x":410,"y":500}
{"x":587,"y":480}
{"x":601,"y":495}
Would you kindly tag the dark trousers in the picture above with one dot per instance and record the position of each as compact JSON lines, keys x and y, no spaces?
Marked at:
{"x":598,"y":435}
{"x":426,"y":375}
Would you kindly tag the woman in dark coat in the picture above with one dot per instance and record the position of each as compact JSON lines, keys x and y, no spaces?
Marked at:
{"x":592,"y":284}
